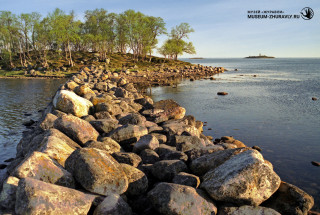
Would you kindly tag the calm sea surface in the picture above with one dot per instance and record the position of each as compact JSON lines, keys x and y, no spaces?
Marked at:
{"x":17,"y":98}
{"x":273,"y":110}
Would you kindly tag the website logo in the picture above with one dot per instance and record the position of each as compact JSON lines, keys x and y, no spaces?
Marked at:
{"x":307,"y":13}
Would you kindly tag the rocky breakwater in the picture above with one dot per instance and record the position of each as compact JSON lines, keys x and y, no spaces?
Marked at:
{"x":167,"y":75}
{"x":103,"y":148}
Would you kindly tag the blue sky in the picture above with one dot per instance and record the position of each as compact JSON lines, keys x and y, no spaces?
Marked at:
{"x":222,"y":28}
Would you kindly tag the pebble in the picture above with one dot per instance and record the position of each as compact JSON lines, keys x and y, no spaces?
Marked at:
{"x":314,"y":99}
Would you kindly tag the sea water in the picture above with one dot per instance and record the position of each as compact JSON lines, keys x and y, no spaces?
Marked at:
{"x":269,"y":104}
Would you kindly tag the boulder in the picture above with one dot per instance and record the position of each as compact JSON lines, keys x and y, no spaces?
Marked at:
{"x":97,"y":171}
{"x":186,"y":143}
{"x":77,"y":129}
{"x":101,"y":98}
{"x":106,"y":144}
{"x":133,"y":118}
{"x":172,"y":109}
{"x":127,"y":158}
{"x":62,"y":136}
{"x":198,"y":152}
{"x":187,"y":179}
{"x":207,"y":162}
{"x":149,"y":156}
{"x":38,"y":197}
{"x":173,"y":199}
{"x":177,"y":128}
{"x":243,"y":179}
{"x":88,"y":118}
{"x":8,"y":193}
{"x":289,"y":199}
{"x":103,"y":115}
{"x":172,"y":155}
{"x":113,"y":204}
{"x":138,"y":181}
{"x":82,"y":90}
{"x":112,"y":109}
{"x":70,"y":85}
{"x":161,"y":137}
{"x":104,"y":125}
{"x":146,"y":142}
{"x":69,"y":102}
{"x":165,"y":170}
{"x":48,"y":121}
{"x":41,"y":167}
{"x":56,"y":149}
{"x":247,"y":210}
{"x":32,"y":142}
{"x":128,"y":133}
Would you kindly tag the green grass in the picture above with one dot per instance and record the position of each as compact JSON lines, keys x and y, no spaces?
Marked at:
{"x":20,"y":73}
{"x":117,"y":62}
{"x":4,"y":73}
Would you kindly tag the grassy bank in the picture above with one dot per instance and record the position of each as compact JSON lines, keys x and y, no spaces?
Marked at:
{"x":58,"y":67}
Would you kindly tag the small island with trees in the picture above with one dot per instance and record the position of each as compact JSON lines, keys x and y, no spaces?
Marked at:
{"x":260,"y":56}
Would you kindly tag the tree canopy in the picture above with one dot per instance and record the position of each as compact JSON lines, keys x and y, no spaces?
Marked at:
{"x":100,"y":31}
{"x":175,"y":45}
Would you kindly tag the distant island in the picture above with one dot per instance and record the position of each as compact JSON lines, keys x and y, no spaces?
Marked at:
{"x":196,"y":58}
{"x":260,"y":56}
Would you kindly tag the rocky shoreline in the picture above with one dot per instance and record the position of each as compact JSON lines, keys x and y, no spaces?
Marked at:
{"x":101,"y":147}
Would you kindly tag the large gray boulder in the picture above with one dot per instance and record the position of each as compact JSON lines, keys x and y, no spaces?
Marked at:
{"x":69,"y":102}
{"x":77,"y":129}
{"x":108,"y":145}
{"x":146,"y":142}
{"x":62,"y":136}
{"x":172,"y":109}
{"x":149,"y":156}
{"x":41,"y":167}
{"x":289,"y":199}
{"x":186,"y":143}
{"x":198,"y":152}
{"x":138,"y":181}
{"x":187,"y":179}
{"x":105,"y":125}
{"x":247,"y":210}
{"x":56,"y":149}
{"x":128,"y":158}
{"x":33,"y":141}
{"x":48,"y":121}
{"x":8,"y":193}
{"x":174,"y":128}
{"x":97,"y":171}
{"x":207,"y":162}
{"x":38,"y":197}
{"x":128,"y":133}
{"x":165,"y":170}
{"x":245,"y":178}
{"x":133,"y":118}
{"x":113,"y":204}
{"x":174,"y":199}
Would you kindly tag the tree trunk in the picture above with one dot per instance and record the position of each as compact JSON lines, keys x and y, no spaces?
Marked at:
{"x":70,"y":55}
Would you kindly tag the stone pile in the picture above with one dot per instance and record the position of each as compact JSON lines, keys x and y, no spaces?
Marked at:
{"x":103,"y":148}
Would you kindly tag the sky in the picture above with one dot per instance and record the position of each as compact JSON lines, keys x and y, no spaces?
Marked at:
{"x":222,"y":27}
